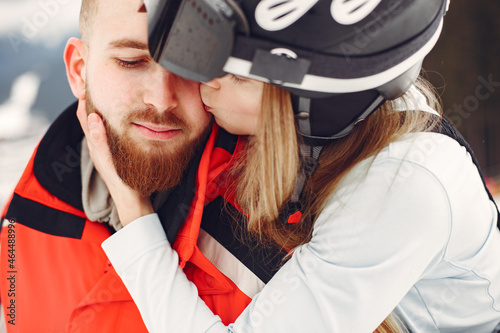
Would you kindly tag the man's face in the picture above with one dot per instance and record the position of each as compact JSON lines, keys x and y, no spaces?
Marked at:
{"x":153,"y":118}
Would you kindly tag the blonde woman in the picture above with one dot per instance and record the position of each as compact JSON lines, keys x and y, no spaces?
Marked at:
{"x":388,"y":216}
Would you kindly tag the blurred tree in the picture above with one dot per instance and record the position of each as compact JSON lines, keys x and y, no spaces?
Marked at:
{"x":465,"y":68}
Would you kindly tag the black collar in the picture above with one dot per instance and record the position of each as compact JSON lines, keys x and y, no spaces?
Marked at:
{"x":57,"y":160}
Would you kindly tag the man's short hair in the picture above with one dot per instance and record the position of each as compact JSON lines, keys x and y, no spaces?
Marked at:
{"x":88,"y":13}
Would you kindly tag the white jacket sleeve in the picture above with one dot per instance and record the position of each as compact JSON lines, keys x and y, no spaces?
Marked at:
{"x":373,"y":241}
{"x":149,"y":268}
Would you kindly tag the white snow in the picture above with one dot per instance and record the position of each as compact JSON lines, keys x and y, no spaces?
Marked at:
{"x":20,"y":131}
{"x":38,"y":21}
{"x":15,"y":112}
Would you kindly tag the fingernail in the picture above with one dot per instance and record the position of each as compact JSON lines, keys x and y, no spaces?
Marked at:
{"x":92,"y":120}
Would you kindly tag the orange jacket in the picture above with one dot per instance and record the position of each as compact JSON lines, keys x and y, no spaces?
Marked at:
{"x":56,"y":278}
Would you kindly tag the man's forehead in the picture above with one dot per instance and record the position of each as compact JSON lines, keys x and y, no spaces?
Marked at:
{"x":121,"y":6}
{"x":120,"y":20}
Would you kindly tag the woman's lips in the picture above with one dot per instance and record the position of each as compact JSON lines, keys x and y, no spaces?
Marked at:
{"x":156,"y":132}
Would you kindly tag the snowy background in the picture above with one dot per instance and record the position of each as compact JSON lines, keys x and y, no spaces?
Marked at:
{"x":33,"y":85}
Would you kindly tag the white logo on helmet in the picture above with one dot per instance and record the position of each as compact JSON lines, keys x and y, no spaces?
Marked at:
{"x":352,"y":11}
{"x":274,"y":15}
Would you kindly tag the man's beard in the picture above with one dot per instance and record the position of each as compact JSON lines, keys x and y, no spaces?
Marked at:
{"x":153,"y":169}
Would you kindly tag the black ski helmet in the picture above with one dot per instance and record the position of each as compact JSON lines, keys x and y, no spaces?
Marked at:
{"x":340,"y":59}
{"x":346,"y":57}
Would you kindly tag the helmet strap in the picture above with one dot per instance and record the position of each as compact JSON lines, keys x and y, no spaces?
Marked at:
{"x":292,"y":211}
{"x":310,"y":151}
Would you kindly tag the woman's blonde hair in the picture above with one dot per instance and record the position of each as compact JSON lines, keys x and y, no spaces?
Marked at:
{"x":268,"y":172}
{"x":391,"y":324}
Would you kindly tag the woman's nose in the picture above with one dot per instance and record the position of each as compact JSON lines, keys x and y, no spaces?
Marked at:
{"x":214,"y":83}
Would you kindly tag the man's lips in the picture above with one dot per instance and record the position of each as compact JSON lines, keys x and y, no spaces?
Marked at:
{"x":156,"y":132}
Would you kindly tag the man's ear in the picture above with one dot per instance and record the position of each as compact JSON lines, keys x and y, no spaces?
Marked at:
{"x":75,"y":57}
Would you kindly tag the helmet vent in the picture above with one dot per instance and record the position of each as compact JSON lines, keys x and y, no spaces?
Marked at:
{"x":349,"y":12}
{"x":275,"y":15}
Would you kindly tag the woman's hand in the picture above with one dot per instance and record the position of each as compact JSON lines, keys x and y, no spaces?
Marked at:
{"x":129,"y":203}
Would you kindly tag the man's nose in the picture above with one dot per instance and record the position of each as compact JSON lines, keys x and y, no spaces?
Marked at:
{"x":160,"y":89}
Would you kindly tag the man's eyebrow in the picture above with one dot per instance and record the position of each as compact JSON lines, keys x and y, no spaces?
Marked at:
{"x":128,"y":43}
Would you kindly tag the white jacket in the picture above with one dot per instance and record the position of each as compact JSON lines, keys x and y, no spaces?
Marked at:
{"x":411,"y":230}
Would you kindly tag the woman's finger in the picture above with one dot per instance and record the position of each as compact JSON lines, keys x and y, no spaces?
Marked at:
{"x":81,"y":113}
{"x":97,"y":132}
{"x":94,"y":130}
{"x":98,"y":146}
